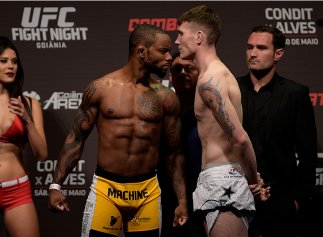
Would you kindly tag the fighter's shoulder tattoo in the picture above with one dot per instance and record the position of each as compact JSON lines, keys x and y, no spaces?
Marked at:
{"x":168,"y":99}
{"x":211,"y":97}
{"x":84,"y":114}
{"x":88,"y":93}
{"x":148,"y":104}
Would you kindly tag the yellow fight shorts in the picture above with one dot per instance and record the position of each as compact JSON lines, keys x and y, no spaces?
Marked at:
{"x":128,"y":202}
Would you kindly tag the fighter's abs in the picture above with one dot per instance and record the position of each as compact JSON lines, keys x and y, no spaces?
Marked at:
{"x":130,"y":123}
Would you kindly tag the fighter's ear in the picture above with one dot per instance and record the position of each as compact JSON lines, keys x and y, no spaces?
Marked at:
{"x":141,"y":50}
{"x":199,"y":37}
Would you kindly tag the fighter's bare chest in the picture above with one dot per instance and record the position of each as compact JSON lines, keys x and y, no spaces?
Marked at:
{"x":131,"y":104}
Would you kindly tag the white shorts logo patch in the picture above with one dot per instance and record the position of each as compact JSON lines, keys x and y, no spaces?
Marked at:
{"x":233,"y":171}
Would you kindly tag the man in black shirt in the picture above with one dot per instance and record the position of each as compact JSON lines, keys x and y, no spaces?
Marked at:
{"x":183,"y":75}
{"x":279,"y":119}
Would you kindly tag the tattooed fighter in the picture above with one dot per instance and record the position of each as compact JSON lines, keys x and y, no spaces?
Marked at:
{"x":222,"y":194}
{"x":132,"y":118}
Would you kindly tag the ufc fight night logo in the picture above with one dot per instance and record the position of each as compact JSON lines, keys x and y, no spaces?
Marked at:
{"x":35,"y":22}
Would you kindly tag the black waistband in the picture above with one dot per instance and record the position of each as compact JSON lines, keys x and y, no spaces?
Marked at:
{"x":124,"y":179}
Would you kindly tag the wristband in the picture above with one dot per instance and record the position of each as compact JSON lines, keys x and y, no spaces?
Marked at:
{"x":55,"y":186}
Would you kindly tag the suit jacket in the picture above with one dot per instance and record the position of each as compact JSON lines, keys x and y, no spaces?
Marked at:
{"x":290,"y":128}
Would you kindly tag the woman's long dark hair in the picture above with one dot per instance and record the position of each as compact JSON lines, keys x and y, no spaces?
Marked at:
{"x":16,"y":87}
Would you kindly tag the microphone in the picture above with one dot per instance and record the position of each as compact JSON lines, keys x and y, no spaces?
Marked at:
{"x":319,"y":22}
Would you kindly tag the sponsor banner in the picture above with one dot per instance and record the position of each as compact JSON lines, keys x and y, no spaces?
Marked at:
{"x":64,"y":100}
{"x":319,"y":177}
{"x":168,"y":84}
{"x":317,"y":99}
{"x":167,"y":24}
{"x":74,"y":184}
{"x":319,"y":171}
{"x":59,"y":100}
{"x":297,"y":24}
{"x":32,"y":94}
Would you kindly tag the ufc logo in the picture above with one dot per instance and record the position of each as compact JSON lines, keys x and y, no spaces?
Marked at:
{"x":49,"y":13}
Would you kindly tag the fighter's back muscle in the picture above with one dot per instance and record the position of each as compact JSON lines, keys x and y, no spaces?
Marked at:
{"x":219,"y":85}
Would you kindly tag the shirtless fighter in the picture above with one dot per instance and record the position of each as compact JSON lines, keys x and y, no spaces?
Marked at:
{"x":222,"y":194}
{"x":132,"y":118}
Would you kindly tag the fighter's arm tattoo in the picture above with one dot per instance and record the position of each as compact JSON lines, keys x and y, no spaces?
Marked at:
{"x":84,"y":121}
{"x":212,"y":98}
{"x":175,"y":159}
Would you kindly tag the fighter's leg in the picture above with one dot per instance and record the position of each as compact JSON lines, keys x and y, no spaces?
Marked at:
{"x":146,"y":221}
{"x":206,"y":229}
{"x":228,"y":223}
{"x":22,"y":221}
{"x":101,"y":217}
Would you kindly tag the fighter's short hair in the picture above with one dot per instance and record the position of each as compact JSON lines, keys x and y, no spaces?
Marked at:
{"x":144,"y":34}
{"x":204,"y":17}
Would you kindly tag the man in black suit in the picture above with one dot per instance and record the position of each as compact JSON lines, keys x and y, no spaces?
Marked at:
{"x":279,"y":119}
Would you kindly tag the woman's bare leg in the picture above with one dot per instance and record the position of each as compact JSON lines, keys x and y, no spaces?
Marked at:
{"x":22,"y":221}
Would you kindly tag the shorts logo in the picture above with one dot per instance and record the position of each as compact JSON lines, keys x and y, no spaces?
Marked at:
{"x":137,"y":220}
{"x":128,"y":195}
{"x":113,"y":220}
{"x":233,"y":171}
